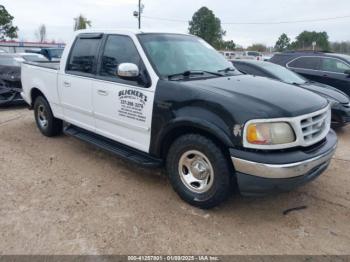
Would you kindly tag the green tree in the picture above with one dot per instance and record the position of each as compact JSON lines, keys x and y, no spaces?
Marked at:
{"x":227,"y":45}
{"x":283,"y":43}
{"x":305,"y":39}
{"x":81,"y":22}
{"x":257,"y":47}
{"x":207,"y":26}
{"x":7,"y":29}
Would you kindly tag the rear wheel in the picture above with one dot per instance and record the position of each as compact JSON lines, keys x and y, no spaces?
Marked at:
{"x":48,"y":125}
{"x":199,"y":171}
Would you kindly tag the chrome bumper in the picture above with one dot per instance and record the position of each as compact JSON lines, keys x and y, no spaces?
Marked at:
{"x":289,"y":170}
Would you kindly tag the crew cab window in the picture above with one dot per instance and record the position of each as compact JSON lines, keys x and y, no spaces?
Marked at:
{"x":334,"y":65}
{"x":83,"y":55}
{"x":305,"y":63}
{"x":118,"y":50}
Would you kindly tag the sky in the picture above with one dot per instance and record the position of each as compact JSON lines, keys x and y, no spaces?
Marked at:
{"x":58,"y":16}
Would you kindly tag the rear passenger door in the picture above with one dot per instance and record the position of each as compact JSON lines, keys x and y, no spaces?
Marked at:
{"x":75,"y":85}
{"x":122,"y":107}
{"x":308,"y":66}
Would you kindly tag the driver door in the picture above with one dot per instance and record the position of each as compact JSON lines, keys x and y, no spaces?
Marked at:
{"x":122,"y":108}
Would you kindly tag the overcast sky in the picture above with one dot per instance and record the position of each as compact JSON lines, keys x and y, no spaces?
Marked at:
{"x":58,"y":16}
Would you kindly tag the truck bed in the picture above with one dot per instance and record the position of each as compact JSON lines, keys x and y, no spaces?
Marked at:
{"x":48,"y":65}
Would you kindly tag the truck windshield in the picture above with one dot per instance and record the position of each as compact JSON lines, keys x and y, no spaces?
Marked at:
{"x":173,"y":54}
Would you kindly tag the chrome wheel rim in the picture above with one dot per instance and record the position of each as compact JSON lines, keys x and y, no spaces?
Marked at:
{"x":196,"y":171}
{"x":42,"y":116}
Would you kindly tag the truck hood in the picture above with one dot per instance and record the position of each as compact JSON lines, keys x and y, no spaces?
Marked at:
{"x":261,"y":96}
{"x":327,"y":92}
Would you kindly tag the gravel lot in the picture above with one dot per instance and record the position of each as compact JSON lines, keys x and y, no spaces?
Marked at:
{"x":62,"y":196}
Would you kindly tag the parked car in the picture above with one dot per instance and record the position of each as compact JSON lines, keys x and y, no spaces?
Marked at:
{"x":252,"y":55}
{"x":52,"y":54}
{"x":10,"y":76}
{"x":161,"y":99}
{"x":339,"y":101}
{"x":327,"y":68}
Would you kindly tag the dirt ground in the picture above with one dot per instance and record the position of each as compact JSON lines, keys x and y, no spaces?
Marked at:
{"x":63,"y":196}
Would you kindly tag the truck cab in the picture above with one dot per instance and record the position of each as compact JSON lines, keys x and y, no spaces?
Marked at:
{"x":171,"y":100}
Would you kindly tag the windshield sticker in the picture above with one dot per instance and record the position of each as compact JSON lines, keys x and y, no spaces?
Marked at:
{"x":132,"y":105}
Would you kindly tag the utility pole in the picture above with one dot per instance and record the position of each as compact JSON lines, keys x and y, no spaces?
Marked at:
{"x":137,"y":14}
{"x":140,"y":11}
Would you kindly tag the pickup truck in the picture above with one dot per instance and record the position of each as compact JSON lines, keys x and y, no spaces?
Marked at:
{"x":164,"y":99}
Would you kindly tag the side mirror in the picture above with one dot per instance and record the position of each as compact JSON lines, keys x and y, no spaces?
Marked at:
{"x":128,"y":70}
{"x":347,"y":72}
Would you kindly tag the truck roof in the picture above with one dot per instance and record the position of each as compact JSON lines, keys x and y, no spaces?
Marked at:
{"x":127,"y":31}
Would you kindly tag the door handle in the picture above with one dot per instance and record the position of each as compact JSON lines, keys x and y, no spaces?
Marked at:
{"x":102,"y":92}
{"x":66,"y":84}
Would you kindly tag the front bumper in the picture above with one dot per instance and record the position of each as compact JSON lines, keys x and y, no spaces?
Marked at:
{"x":264,"y":173}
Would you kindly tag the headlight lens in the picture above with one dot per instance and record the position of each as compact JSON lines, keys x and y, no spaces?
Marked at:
{"x":270,"y":133}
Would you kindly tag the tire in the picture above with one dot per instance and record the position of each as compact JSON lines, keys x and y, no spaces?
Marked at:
{"x":199,"y":171}
{"x":337,"y":121}
{"x":48,"y":125}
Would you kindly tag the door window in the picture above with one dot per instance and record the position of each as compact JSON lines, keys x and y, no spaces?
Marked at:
{"x":118,"y":50}
{"x":334,"y":65}
{"x":305,"y":63}
{"x":83,"y":55}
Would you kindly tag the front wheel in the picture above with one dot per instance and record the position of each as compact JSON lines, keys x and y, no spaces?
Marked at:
{"x":48,"y":125}
{"x":199,"y":171}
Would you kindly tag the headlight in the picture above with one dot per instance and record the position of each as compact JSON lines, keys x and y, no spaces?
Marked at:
{"x":269,"y":133}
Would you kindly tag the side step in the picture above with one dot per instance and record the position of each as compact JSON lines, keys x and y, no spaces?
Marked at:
{"x":113,"y":147}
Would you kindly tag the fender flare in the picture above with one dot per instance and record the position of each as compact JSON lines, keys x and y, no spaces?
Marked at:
{"x":183,"y":125}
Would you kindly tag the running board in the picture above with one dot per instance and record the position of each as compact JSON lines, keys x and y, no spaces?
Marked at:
{"x":113,"y":147}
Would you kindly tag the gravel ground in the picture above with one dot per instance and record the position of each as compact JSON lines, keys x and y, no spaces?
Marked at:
{"x":63,"y":196}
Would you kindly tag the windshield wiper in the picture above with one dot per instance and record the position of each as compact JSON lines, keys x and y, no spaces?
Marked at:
{"x":228,"y":69}
{"x":189,"y":73}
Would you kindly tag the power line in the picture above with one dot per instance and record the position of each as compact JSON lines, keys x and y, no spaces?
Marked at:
{"x":256,"y":23}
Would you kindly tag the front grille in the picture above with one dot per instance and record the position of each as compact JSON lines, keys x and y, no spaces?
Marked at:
{"x":315,"y":127}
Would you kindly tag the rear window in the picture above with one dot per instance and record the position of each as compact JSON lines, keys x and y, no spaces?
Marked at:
{"x":250,"y":70}
{"x":305,"y":63}
{"x":83,"y":55}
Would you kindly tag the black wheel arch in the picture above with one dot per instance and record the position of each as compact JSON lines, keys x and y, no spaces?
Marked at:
{"x":182,"y":126}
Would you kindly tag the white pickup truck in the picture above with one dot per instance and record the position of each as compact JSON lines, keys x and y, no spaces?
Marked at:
{"x":161,"y":99}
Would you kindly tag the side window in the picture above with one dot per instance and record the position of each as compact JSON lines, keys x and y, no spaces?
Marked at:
{"x":334,"y":65}
{"x":83,"y":55}
{"x":305,"y":63}
{"x":118,"y":49}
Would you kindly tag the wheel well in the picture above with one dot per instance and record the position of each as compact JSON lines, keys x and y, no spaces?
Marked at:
{"x":34,"y":94}
{"x":177,"y":132}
